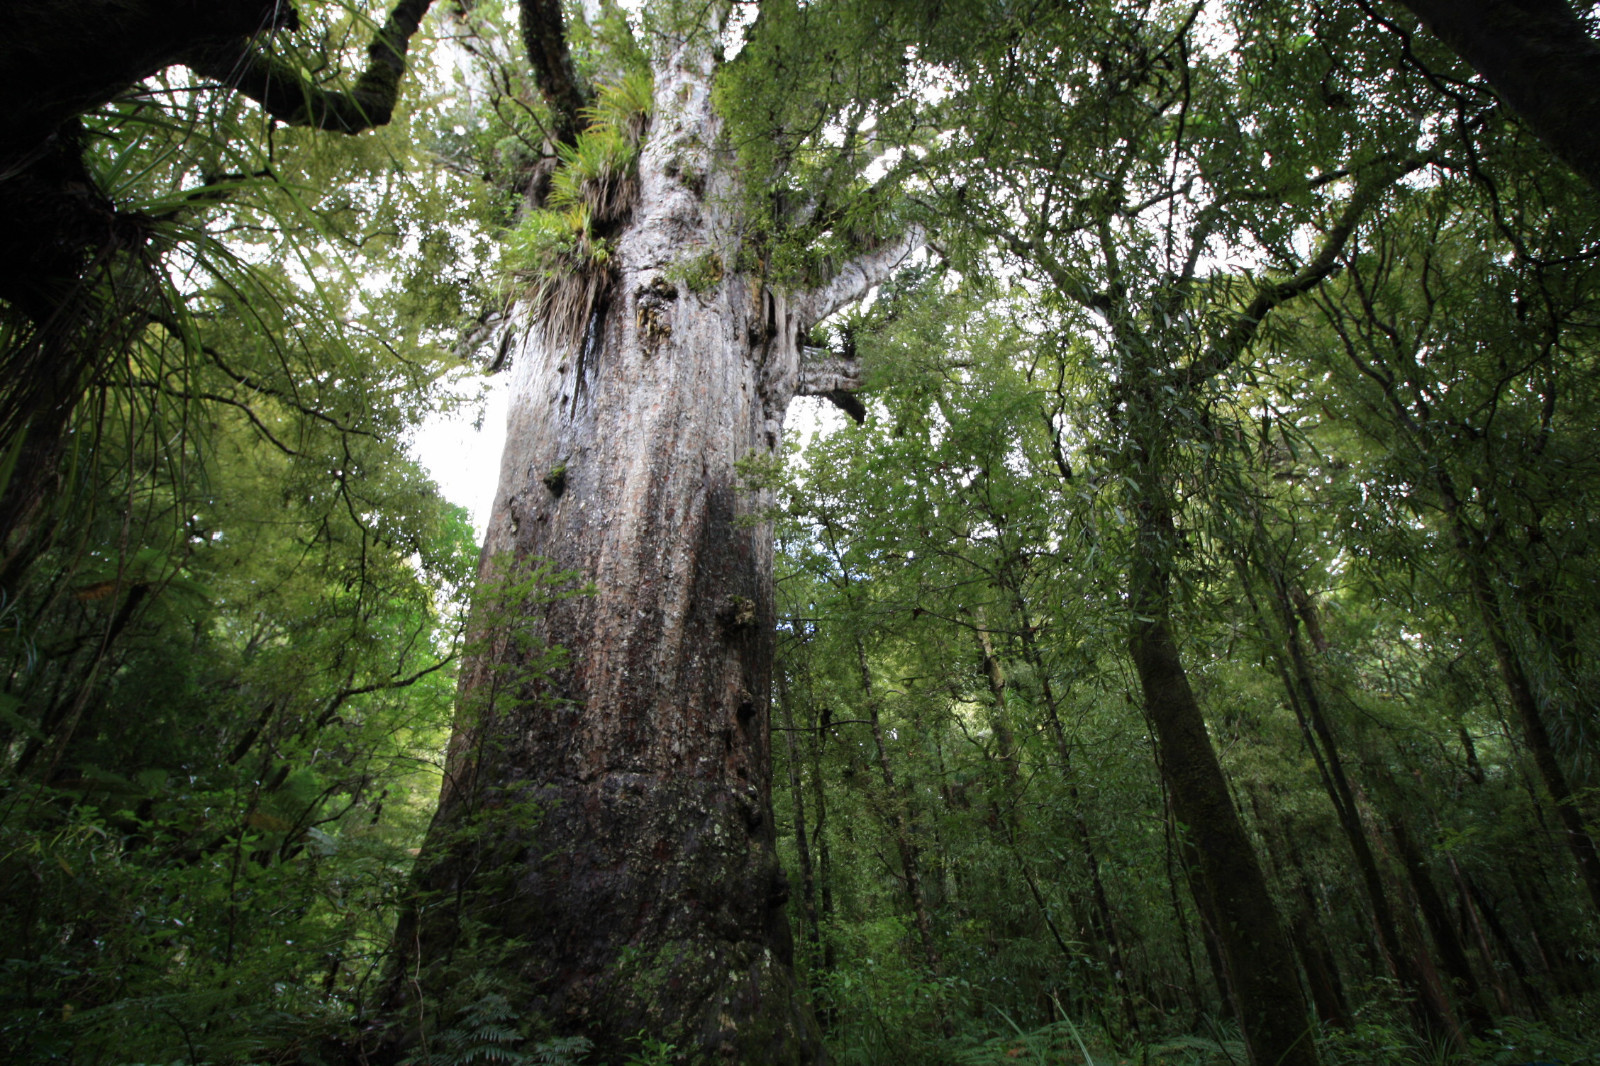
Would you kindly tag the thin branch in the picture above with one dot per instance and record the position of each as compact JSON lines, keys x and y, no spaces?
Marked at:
{"x":187,"y":396}
{"x":1246,"y":324}
{"x":291,"y":400}
{"x":381,"y":686}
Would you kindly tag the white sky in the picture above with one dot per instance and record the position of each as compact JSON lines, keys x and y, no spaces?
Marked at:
{"x":465,"y":461}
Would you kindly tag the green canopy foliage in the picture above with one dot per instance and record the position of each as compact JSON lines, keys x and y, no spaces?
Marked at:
{"x":1264,"y":325}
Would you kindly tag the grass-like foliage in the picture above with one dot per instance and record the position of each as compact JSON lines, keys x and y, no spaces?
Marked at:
{"x":560,"y":255}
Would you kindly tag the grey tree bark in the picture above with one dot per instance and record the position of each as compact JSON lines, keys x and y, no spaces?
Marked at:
{"x":611,"y":817}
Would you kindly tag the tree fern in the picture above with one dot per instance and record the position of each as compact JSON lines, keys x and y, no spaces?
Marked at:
{"x":487,"y":1032}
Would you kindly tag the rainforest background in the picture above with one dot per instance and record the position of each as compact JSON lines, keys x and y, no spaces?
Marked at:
{"x":1180,"y":628}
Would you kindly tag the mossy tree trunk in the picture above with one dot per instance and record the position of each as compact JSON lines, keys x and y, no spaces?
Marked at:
{"x":603,"y":851}
{"x":1256,"y":953}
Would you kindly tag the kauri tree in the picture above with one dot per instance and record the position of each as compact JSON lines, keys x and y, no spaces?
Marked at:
{"x":609,"y":811}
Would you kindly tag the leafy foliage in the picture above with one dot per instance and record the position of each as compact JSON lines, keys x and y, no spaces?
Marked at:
{"x":562,"y":250}
{"x":1288,"y":275}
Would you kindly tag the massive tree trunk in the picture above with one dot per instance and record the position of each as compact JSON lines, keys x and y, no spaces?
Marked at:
{"x":608,"y":819}
{"x":1538,"y":55}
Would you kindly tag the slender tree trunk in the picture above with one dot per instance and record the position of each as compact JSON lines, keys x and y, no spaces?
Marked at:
{"x":1305,"y":699}
{"x":1535,"y":733}
{"x":1473,"y":549}
{"x":1530,"y":992}
{"x":897,"y":814}
{"x":1557,"y":952}
{"x":1434,"y":912}
{"x":1106,"y":924}
{"x":1432,"y":986}
{"x":1205,"y":908}
{"x":1272,"y":1008}
{"x":1104,"y":927}
{"x":824,"y":855}
{"x":1182,"y":921}
{"x":1338,"y":1006}
{"x":1473,"y":921}
{"x":1322,"y":975}
{"x":797,"y":798}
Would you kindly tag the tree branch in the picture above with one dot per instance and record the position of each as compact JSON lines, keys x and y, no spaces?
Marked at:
{"x":834,"y":379}
{"x":344,"y":694}
{"x":856,"y":277}
{"x":1244,"y":326}
{"x":1539,"y":57}
{"x":59,"y":60}
{"x":544,"y":37}
{"x":287,"y":94}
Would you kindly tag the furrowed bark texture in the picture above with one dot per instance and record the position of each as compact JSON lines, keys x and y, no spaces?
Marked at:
{"x":613,"y":817}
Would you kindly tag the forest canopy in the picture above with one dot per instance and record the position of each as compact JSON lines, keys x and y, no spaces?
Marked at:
{"x":1174,"y":640}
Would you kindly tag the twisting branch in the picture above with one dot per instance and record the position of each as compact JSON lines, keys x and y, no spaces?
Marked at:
{"x":285,"y":93}
{"x":58,"y":60}
{"x":213,"y":397}
{"x":856,"y":277}
{"x":544,"y":36}
{"x":396,"y":682}
{"x":1244,"y":326}
{"x":288,"y":399}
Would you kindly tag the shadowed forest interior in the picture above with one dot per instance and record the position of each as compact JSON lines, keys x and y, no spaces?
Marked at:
{"x":1028,"y":532}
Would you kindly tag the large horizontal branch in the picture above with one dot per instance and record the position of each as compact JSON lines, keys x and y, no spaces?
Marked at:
{"x":1539,"y":57}
{"x":285,"y":93}
{"x":802,"y":373}
{"x":835,"y":380}
{"x":59,"y":60}
{"x":857,"y":277}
